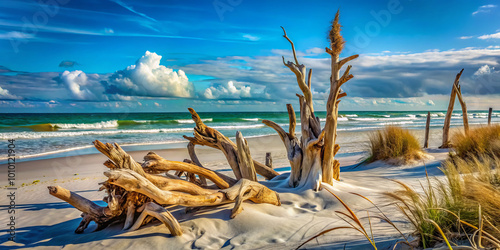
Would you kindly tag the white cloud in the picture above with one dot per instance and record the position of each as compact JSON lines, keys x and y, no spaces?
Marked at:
{"x":148,"y":78}
{"x":465,"y":37}
{"x":228,"y":91}
{"x":16,"y":35}
{"x":315,"y":51}
{"x":484,"y":9}
{"x":490,"y":36}
{"x":484,"y":70}
{"x":81,"y":87}
{"x":251,"y":37}
{"x":486,"y":80}
{"x":109,"y":31}
{"x":5,"y":95}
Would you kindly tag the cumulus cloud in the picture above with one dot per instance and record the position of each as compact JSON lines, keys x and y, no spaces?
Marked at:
{"x":5,"y":95}
{"x":148,"y":78}
{"x":484,"y":9}
{"x":81,"y":86}
{"x":486,"y":80}
{"x":233,"y":90}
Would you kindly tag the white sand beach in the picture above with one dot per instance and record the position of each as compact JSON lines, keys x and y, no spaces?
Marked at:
{"x":45,"y":222}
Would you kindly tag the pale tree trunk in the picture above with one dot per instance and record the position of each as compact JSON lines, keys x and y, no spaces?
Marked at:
{"x":312,"y":157}
{"x":449,"y":112}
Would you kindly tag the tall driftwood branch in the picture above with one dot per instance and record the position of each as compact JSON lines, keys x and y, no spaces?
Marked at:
{"x":449,"y":112}
{"x":312,"y":157}
{"x":330,"y":168}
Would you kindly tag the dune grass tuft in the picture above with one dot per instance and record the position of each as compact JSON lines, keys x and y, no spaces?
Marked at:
{"x":393,"y":144}
{"x":458,"y":206}
{"x":479,"y":141}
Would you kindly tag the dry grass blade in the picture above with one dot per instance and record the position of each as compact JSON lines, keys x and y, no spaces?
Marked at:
{"x":321,"y":233}
{"x":442,"y":233}
{"x":383,"y":217}
{"x":353,"y":216}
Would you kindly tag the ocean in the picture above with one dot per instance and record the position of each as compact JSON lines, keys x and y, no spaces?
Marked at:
{"x":52,"y":135}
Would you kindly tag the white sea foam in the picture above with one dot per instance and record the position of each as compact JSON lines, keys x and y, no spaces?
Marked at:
{"x":191,"y":121}
{"x":97,"y":125}
{"x":353,"y":115}
{"x":365,"y":119}
{"x":395,"y":123}
{"x":250,"y":119}
{"x":239,"y":126}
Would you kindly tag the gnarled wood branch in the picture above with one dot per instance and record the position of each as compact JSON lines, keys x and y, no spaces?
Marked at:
{"x":156,"y":163}
{"x":206,"y":136}
{"x":131,"y":181}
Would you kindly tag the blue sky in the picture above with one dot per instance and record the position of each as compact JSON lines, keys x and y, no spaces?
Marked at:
{"x":225,"y":55}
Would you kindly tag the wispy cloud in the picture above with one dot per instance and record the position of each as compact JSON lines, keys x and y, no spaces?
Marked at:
{"x":484,"y":9}
{"x":490,"y":36}
{"x":251,"y":37}
{"x":465,"y":37}
{"x":16,"y":35}
{"x":131,"y":9}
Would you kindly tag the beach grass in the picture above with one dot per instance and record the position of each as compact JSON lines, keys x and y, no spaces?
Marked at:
{"x":462,"y":205}
{"x":478,"y":141}
{"x":393,"y":144}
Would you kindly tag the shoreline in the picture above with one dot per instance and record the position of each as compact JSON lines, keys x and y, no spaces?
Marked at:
{"x":181,"y":143}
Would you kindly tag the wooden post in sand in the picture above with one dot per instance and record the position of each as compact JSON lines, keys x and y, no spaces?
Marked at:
{"x":427,"y":124}
{"x":447,"y":119}
{"x":489,"y":116}
{"x":269,"y":160}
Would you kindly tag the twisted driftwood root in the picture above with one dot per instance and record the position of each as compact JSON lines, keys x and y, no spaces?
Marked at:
{"x":147,"y":188}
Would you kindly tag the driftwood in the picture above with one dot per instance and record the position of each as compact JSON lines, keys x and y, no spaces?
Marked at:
{"x":269,"y":160}
{"x":146,"y":189}
{"x":207,"y":136}
{"x":427,"y":128}
{"x":489,"y":115}
{"x":449,"y":112}
{"x":138,"y":193}
{"x":312,"y":157}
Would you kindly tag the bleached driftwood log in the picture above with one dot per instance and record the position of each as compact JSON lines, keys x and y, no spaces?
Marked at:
{"x":449,"y":112}
{"x":147,"y":188}
{"x":312,"y":158}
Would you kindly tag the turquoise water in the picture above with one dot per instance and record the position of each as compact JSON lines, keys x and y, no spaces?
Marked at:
{"x":45,"y":134}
